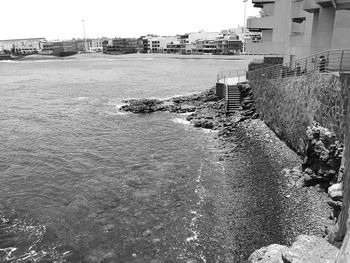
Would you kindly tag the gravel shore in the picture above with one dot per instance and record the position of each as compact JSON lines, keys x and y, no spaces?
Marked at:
{"x":253,"y":195}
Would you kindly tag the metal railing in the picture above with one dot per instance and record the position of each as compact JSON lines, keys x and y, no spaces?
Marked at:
{"x":223,"y":76}
{"x":327,"y":61}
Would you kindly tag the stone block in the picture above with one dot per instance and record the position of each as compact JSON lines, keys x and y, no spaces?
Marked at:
{"x":336,"y":191}
{"x":310,"y":249}
{"x":269,"y":254}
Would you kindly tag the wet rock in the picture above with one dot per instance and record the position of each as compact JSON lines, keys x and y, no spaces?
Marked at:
{"x":211,"y":97}
{"x":207,"y":125}
{"x":142,"y":105}
{"x":187,"y":108}
{"x":310,"y":249}
{"x":197,"y":123}
{"x":335,"y":204}
{"x":269,"y":254}
{"x":336,"y":192}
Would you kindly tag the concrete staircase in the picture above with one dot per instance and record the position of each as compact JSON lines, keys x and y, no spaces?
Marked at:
{"x":233,"y":99}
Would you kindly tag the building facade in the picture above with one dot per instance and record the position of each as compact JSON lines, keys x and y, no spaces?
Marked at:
{"x":22,"y":46}
{"x":299,"y":28}
{"x":121,"y":46}
{"x":188,"y":41}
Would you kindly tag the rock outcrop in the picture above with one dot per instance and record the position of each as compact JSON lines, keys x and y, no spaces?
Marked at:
{"x":323,"y":155}
{"x":143,"y":106}
{"x":248,"y":104}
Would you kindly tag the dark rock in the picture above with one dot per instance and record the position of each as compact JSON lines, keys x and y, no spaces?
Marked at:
{"x":142,"y":105}
{"x":212,"y":97}
{"x":308,"y":171}
{"x":335,"y":204}
{"x":191,"y":116}
{"x":255,"y":116}
{"x":207,"y":124}
{"x":197,"y":123}
{"x":188,"y":108}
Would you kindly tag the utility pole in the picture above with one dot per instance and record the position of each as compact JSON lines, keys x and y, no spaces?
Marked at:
{"x":244,"y":26}
{"x":85,"y":47}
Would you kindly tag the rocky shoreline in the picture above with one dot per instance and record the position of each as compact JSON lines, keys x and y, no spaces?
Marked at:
{"x":320,"y":172}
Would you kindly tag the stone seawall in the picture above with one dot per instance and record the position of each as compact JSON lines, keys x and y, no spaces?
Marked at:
{"x":344,"y":222}
{"x":289,"y":105}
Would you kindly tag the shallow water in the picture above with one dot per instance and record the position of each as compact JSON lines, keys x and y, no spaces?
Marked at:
{"x":88,"y":183}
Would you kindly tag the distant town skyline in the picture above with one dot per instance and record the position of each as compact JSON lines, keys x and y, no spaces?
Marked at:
{"x":108,"y":18}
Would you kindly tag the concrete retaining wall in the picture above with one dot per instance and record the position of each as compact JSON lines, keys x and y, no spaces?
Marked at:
{"x":221,"y":90}
{"x":289,"y":105}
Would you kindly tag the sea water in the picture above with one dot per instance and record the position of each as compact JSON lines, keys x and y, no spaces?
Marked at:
{"x":82,"y":181}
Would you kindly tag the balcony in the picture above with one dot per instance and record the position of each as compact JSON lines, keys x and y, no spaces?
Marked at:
{"x":260,"y":3}
{"x":310,"y":6}
{"x":325,"y":3}
{"x":343,"y":4}
{"x":260,"y":23}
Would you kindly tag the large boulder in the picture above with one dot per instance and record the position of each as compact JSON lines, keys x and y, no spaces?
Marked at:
{"x":270,"y":254}
{"x":336,"y":191}
{"x":310,"y":249}
{"x":322,"y":154}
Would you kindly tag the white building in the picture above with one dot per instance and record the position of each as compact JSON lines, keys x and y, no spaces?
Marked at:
{"x":94,"y":45}
{"x":188,"y":41}
{"x":159,"y":44}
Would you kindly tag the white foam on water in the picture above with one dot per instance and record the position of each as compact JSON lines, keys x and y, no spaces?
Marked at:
{"x":181,"y":121}
{"x":7,"y":61}
{"x":186,"y":113}
{"x":208,"y":131}
{"x":114,"y":113}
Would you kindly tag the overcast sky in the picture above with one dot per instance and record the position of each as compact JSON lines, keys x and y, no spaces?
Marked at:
{"x":118,"y":18}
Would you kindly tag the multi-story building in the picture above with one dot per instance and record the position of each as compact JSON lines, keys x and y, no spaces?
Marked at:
{"x":187,"y":41}
{"x":298,"y":28}
{"x":94,"y":45}
{"x":60,"y":48}
{"x":89,"y":45}
{"x":121,"y":46}
{"x":22,"y":46}
{"x":228,"y":46}
{"x":160,"y":44}
{"x":204,"y":47}
{"x":146,"y":43}
{"x":173,"y":47}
